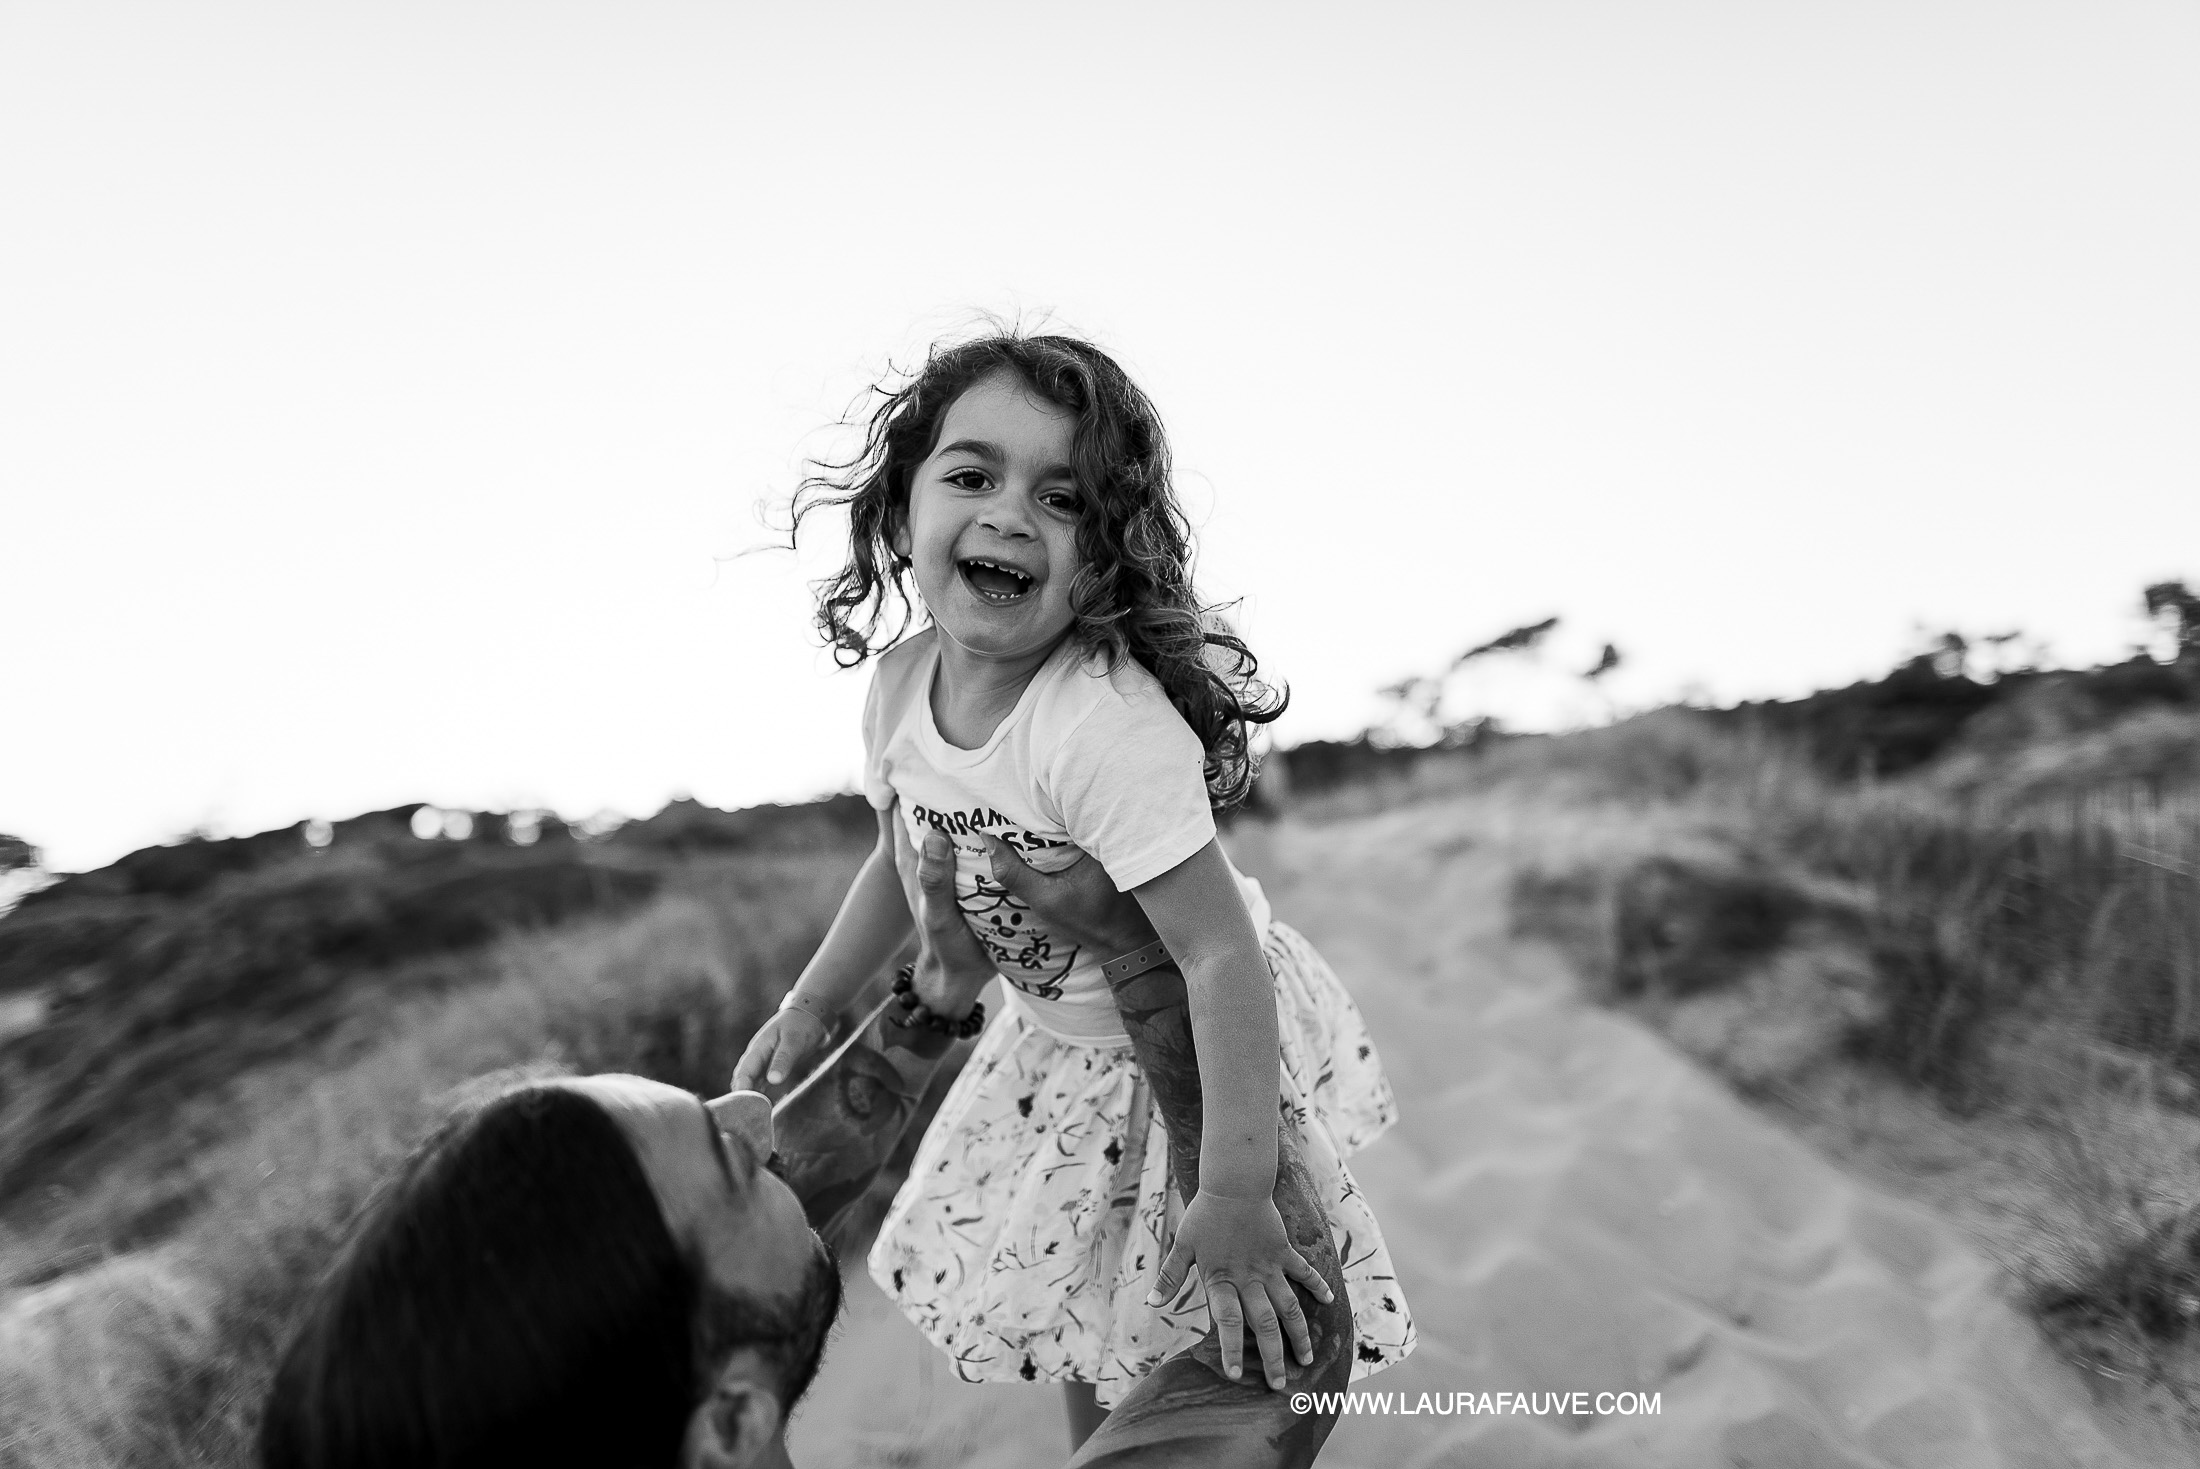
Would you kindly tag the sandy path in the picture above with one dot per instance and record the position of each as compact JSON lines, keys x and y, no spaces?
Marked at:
{"x":1573,"y":1208}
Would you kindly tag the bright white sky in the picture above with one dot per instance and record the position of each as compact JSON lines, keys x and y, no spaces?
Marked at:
{"x":383,"y":387}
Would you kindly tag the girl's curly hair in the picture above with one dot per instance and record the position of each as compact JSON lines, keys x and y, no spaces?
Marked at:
{"x":1132,"y":595}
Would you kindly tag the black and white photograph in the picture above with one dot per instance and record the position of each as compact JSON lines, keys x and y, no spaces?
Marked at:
{"x":1166,"y":736}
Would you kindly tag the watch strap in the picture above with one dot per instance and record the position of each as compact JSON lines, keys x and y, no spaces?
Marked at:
{"x":1137,"y":962}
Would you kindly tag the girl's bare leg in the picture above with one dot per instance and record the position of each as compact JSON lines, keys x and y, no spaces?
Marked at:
{"x":1085,"y":1414}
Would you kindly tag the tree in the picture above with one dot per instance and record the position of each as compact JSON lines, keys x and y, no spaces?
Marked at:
{"x":1419,"y":715}
{"x":19,"y":871}
{"x":1950,"y":654}
{"x":15,"y":853}
{"x":2171,"y":604}
{"x":1519,"y":640}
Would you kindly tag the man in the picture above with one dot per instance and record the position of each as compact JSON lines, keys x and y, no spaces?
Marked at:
{"x":589,"y":1271}
{"x":604,"y":1271}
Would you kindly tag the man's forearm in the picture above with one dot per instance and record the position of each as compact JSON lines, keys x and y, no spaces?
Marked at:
{"x":1185,"y":1414}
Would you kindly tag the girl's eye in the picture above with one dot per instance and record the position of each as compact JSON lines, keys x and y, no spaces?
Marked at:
{"x":967,"y":479}
{"x":1062,"y":500}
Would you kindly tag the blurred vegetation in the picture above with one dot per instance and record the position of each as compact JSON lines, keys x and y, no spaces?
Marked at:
{"x":178,"y":966}
{"x":1947,"y":701}
{"x":1988,"y":991}
{"x":1979,"y":887}
{"x":1952,"y":926}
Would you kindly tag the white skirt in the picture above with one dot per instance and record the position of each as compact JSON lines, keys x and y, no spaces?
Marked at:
{"x":1038,"y":1210}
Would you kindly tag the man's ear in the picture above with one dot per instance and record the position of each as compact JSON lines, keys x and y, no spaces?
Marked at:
{"x":739,"y":1422}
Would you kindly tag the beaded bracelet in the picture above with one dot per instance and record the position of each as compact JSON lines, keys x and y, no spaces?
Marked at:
{"x":916,"y":1013}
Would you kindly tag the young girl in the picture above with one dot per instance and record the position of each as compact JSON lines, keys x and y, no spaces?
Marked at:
{"x":1068,"y":692}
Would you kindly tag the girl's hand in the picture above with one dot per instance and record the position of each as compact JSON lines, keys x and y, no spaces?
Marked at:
{"x":1246,"y":1260}
{"x":778,"y":1046}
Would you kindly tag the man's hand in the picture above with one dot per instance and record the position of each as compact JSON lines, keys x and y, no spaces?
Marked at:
{"x":952,"y":966}
{"x":1079,"y":904}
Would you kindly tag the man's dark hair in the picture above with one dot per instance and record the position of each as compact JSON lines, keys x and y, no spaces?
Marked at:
{"x":455,"y":1329}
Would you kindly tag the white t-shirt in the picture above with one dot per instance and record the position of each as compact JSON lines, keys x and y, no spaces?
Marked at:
{"x":1087,"y":758}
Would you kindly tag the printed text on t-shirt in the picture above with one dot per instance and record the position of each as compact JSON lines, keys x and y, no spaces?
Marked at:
{"x":972,"y":822}
{"x":1020,"y":947}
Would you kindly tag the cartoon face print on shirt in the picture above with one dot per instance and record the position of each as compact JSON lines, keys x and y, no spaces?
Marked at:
{"x":1020,"y":946}
{"x":1021,"y":950}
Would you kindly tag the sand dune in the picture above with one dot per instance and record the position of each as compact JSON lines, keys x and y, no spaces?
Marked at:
{"x":1574,"y":1208}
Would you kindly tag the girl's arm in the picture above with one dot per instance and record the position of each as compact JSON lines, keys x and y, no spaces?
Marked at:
{"x":1231,"y":1228}
{"x":1196,"y":908}
{"x":873,"y":922}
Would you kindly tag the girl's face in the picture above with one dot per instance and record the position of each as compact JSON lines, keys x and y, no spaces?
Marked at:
{"x":992,"y":523}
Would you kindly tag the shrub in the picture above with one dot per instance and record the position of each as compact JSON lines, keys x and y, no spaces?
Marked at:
{"x":176,"y":998}
{"x":1681,"y":927}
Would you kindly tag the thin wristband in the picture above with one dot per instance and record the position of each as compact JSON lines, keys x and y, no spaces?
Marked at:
{"x":809,"y":1006}
{"x":1137,"y":962}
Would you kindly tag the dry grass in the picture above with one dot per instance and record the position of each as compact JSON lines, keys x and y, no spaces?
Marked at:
{"x":1989,"y":993}
{"x":2083,"y":914}
{"x":159,"y":1356}
{"x":164,"y":1000}
{"x":2112,"y":1267}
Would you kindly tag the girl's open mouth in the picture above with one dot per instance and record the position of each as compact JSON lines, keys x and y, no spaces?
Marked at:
{"x":992,"y":581}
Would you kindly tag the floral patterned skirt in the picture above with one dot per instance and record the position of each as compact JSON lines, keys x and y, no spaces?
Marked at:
{"x":1037,"y":1211}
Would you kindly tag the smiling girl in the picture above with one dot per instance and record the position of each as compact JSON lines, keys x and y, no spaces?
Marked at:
{"x":1069,"y":696}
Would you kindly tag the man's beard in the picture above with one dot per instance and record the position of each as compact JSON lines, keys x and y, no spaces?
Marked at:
{"x":788,"y":1334}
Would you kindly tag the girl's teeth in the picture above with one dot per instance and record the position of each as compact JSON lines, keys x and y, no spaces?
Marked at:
{"x":1008,"y":586}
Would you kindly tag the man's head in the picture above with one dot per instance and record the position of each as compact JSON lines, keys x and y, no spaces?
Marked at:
{"x":593,"y":1271}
